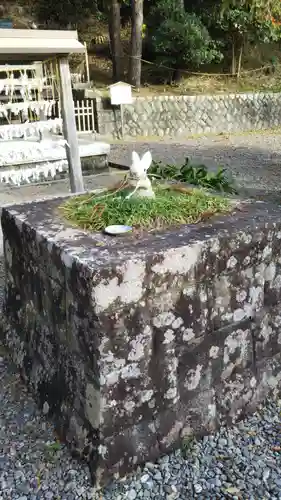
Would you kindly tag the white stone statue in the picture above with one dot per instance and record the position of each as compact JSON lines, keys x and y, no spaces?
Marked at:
{"x":138,"y":179}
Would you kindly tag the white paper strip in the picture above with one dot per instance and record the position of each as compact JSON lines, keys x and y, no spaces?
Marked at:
{"x":23,"y":107}
{"x":23,"y":82}
{"x":17,"y":152}
{"x":30,"y":129}
{"x":27,"y":175}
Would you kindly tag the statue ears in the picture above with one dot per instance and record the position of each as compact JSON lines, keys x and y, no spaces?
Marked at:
{"x":144,"y":162}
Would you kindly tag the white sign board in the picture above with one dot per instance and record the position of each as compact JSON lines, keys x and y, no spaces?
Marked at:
{"x":120,"y":93}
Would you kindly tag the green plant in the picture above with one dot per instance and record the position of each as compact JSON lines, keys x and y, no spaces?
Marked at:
{"x":195,"y":175}
{"x":241,"y":26}
{"x":64,"y":13}
{"x":238,"y":25}
{"x":52,"y":451}
{"x":178,"y":38}
{"x":53,"y":447}
{"x":171,"y":206}
{"x":188,"y":446}
{"x":260,"y":9}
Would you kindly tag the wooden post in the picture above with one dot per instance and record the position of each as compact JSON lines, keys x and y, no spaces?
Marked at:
{"x":87,"y":63}
{"x":69,"y":127}
{"x":122,"y":120}
{"x":39,"y":77}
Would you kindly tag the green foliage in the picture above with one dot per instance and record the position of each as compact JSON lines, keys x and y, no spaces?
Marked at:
{"x":170,"y":207}
{"x":235,"y":23}
{"x":206,"y":31}
{"x":54,"y":447}
{"x":52,"y":451}
{"x":194,"y":175}
{"x":64,"y":12}
{"x":189,"y":446}
{"x":261,"y":10}
{"x":243,"y":23}
{"x":179,"y":38}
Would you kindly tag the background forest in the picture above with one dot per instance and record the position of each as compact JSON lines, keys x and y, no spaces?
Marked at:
{"x":162,"y":45}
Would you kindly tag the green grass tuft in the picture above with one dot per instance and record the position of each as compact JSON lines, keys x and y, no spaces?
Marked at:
{"x":170,"y":207}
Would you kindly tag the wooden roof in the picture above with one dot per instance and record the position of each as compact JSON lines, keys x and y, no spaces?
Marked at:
{"x":37,"y":45}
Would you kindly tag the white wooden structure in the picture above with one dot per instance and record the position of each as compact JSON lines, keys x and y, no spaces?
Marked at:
{"x":18,"y":46}
{"x":120,"y":93}
{"x":85,"y":116}
{"x":37,"y":45}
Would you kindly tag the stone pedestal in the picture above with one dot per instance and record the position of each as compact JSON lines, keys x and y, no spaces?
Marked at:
{"x":132,"y":346}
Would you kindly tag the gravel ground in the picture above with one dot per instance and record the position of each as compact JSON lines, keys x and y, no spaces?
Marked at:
{"x":239,"y":463}
{"x":252,"y":160}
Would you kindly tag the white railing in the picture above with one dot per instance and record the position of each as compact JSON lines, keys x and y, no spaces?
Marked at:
{"x":84,"y":115}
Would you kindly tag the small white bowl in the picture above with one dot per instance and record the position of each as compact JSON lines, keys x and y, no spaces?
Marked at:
{"x":118,"y":230}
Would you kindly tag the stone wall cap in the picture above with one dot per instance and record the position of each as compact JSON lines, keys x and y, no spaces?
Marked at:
{"x":98,"y":250}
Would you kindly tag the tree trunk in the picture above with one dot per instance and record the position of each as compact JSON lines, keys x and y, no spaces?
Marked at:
{"x":181,"y":4}
{"x":233,"y":59}
{"x":115,"y":40}
{"x":136,"y":43}
{"x":239,"y":65}
{"x":176,"y":76}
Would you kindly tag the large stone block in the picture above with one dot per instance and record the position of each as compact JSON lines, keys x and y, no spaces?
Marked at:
{"x":134,"y":345}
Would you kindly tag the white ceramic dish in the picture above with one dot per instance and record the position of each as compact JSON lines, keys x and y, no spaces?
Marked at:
{"x":117,"y":230}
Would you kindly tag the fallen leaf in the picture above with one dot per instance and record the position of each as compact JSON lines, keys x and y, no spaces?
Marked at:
{"x":232,"y":490}
{"x":252,"y":433}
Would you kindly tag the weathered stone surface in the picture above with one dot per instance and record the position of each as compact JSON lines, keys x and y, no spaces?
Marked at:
{"x":182,"y":115}
{"x":134,"y":345}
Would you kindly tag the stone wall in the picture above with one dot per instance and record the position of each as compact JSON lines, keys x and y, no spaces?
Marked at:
{"x":187,"y":115}
{"x":134,"y":345}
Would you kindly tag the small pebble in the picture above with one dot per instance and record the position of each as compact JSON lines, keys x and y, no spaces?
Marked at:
{"x":198,"y":488}
{"x":145,"y":478}
{"x":49,"y":495}
{"x":132,"y":495}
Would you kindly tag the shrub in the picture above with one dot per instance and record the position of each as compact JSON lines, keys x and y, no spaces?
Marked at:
{"x":179,"y":39}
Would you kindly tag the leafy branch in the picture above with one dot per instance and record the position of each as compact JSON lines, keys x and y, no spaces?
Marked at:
{"x":194,"y":175}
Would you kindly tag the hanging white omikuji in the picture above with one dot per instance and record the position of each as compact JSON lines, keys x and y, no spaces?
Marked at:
{"x":8,"y":85}
{"x":28,"y":152}
{"x":23,"y":175}
{"x":30,"y":129}
{"x":23,"y":107}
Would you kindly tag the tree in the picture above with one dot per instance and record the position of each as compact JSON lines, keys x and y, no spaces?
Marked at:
{"x":241,"y":23}
{"x":179,"y":39}
{"x":245,"y":27}
{"x":261,"y":9}
{"x":65,"y":13}
{"x":136,"y":43}
{"x":181,"y":4}
{"x":114,"y":25}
